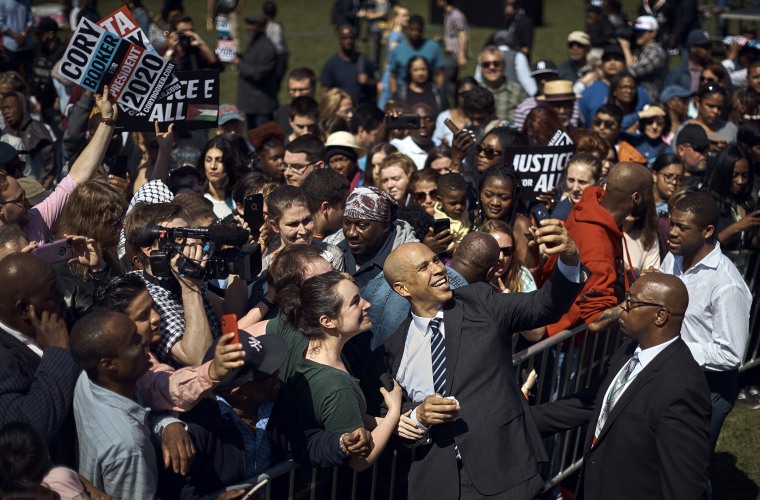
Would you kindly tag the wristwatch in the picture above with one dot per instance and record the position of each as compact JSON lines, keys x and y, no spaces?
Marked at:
{"x":109,"y":120}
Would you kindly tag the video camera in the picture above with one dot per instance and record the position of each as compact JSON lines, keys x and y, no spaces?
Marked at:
{"x":220,"y":262}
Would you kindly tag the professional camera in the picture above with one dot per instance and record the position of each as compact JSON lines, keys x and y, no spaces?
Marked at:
{"x":220,"y":262}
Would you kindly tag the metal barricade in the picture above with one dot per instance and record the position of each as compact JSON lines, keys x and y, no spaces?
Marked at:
{"x":565,"y":363}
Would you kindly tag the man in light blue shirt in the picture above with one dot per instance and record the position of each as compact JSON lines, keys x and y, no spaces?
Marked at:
{"x":114,"y":430}
{"x":16,"y":24}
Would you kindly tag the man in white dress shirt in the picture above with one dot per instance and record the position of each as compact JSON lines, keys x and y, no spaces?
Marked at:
{"x":716,"y":325}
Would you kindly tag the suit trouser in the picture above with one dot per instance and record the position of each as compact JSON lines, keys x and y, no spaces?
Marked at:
{"x":723,"y":390}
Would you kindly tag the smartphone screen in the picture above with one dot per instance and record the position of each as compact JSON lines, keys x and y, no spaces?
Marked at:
{"x":230,"y":324}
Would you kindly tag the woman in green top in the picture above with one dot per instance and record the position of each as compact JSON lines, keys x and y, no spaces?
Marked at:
{"x":329,"y":395}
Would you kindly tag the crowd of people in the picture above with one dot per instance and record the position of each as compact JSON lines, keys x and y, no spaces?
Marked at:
{"x":342,"y":279}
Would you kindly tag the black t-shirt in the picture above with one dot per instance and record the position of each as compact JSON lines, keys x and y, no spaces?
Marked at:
{"x":337,"y":72}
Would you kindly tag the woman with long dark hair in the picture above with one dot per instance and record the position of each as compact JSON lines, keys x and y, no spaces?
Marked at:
{"x":420,"y":88}
{"x":500,"y":199}
{"x":220,"y":165}
{"x":729,"y":180}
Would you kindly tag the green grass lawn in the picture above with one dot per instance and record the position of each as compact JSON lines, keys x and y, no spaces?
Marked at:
{"x":736,"y":471}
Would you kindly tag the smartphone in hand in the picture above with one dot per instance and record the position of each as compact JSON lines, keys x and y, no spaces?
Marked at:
{"x":230,"y":324}
{"x":439,"y":225}
{"x":57,"y":251}
{"x":253,"y":212}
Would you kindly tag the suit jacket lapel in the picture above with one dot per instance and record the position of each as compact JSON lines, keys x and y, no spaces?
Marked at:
{"x":394,"y":347}
{"x":641,"y":380}
{"x":612,"y":372}
{"x":452,"y":321}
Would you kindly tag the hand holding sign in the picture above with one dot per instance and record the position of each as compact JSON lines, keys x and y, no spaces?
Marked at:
{"x":107,"y":108}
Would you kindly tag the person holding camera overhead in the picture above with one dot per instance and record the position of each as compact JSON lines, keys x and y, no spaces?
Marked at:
{"x":187,"y":50}
{"x":189,"y":312}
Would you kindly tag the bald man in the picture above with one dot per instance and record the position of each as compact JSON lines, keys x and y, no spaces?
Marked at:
{"x":453,"y":358}
{"x":477,"y":257}
{"x":595,"y":225}
{"x":37,"y":372}
{"x":648,"y":418}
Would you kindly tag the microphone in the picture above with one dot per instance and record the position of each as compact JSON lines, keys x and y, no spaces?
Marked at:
{"x":216,"y":233}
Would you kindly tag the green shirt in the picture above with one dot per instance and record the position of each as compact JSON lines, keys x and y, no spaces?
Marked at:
{"x":506,"y":97}
{"x":330,"y":398}
{"x":297,"y":344}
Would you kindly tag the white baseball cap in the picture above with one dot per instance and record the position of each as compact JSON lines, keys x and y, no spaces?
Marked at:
{"x":646,"y":23}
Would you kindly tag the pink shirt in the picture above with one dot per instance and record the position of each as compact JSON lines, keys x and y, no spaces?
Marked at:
{"x":66,"y":483}
{"x":165,"y":389}
{"x":42,"y":219}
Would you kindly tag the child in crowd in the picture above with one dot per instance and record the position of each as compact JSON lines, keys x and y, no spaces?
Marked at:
{"x":452,"y":205}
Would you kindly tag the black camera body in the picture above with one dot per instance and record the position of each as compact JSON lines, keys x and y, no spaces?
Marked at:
{"x":221,"y":252}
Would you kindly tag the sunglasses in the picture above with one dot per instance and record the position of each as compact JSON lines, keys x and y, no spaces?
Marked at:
{"x":703,"y":79}
{"x":421,"y":196}
{"x":489,"y":153}
{"x":656,"y":121}
{"x":629,"y":304}
{"x":492,"y":64}
{"x":573,"y":45}
{"x":598,"y":122}
{"x":507,"y":251}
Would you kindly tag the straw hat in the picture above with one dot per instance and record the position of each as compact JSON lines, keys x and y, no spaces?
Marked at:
{"x":558,"y":90}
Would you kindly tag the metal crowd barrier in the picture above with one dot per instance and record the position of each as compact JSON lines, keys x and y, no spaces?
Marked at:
{"x":565,"y":363}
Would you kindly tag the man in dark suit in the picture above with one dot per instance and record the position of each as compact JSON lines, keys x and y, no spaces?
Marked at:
{"x":37,"y":372}
{"x":649,"y":417}
{"x":453,"y":359}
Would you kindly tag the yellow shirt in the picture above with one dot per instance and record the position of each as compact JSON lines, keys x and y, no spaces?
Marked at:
{"x":459,"y":227}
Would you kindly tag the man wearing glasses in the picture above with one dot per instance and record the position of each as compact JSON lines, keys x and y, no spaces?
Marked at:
{"x":648,"y":417}
{"x":692,"y":145}
{"x":507,"y":95}
{"x":39,"y":223}
{"x":716,"y":325}
{"x":302,"y":156}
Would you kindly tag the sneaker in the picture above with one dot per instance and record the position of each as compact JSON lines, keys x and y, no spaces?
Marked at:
{"x":747,"y":392}
{"x":753,"y":402}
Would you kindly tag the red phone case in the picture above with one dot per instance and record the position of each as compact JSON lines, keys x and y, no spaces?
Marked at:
{"x":229,"y":324}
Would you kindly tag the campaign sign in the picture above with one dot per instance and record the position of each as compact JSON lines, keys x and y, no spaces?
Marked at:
{"x":96,"y":57}
{"x":539,"y":167}
{"x":122,"y":23}
{"x":195,"y":105}
{"x":93,"y":56}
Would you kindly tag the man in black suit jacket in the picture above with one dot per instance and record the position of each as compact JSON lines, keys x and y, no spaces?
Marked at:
{"x":482,"y":443}
{"x":654,"y":441}
{"x":37,"y":372}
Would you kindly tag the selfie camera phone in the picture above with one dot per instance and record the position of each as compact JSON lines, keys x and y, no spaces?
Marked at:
{"x":451,"y":126}
{"x":118,"y":166}
{"x":441,"y":224}
{"x":540,"y":213}
{"x":230,"y":324}
{"x":253,"y":212}
{"x":57,"y":251}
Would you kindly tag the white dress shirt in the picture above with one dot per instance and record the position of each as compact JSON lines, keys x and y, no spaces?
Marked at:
{"x":645,"y":357}
{"x":27,"y":341}
{"x":716,"y":324}
{"x":415,"y":372}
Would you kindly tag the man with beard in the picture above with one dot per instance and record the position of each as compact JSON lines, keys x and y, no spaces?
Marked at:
{"x":692,"y":145}
{"x":417,"y":144}
{"x":716,"y":324}
{"x":507,"y":95}
{"x":594,"y":224}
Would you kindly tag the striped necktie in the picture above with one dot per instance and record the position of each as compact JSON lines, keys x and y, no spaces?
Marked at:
{"x":438,"y":355}
{"x":621,"y":381}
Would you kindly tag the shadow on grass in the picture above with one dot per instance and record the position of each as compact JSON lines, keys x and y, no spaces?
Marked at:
{"x":729,"y":482}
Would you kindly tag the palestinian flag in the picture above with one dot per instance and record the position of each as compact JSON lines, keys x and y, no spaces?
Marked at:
{"x":202,"y":112}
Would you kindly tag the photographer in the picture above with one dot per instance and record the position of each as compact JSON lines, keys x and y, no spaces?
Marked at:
{"x":187,"y":50}
{"x":188,"y":319}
